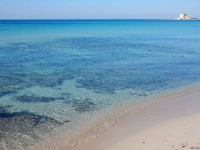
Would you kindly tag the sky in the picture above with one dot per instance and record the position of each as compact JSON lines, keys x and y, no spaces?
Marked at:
{"x":98,"y":9}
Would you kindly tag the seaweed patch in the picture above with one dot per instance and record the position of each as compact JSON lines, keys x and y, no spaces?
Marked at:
{"x":83,"y":105}
{"x":3,"y":93}
{"x":138,"y":94}
{"x":19,"y":129}
{"x":80,"y":105}
{"x":34,"y":99}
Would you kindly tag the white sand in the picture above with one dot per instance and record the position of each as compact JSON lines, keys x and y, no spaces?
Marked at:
{"x":170,"y":125}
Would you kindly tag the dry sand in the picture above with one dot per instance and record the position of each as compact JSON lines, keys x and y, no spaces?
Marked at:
{"x":168,"y":125}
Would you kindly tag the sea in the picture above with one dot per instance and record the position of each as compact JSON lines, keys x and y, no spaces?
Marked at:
{"x":64,"y":82}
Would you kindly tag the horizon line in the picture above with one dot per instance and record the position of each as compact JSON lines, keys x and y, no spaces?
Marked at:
{"x":89,"y":19}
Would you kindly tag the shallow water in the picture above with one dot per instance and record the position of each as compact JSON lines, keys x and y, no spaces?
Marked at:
{"x":58,"y":73}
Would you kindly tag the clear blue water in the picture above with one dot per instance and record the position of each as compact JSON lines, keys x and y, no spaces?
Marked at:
{"x":56,"y":73}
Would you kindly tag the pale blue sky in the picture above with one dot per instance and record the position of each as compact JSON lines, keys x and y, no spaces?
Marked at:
{"x":97,"y":9}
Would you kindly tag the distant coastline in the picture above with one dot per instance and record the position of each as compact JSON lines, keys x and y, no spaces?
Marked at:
{"x":185,"y":17}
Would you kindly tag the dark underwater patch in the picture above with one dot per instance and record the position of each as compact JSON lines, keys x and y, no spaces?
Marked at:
{"x":12,"y":83}
{"x":34,"y":99}
{"x":83,"y":105}
{"x":3,"y":110}
{"x":52,"y":80}
{"x":80,"y":105}
{"x":15,"y":57}
{"x":3,"y":93}
{"x":138,"y":94}
{"x":19,"y":129}
{"x":98,"y":64}
{"x":42,"y":56}
{"x":98,"y":86}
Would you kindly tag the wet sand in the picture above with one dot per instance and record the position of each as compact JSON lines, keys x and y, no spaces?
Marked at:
{"x":171,"y":124}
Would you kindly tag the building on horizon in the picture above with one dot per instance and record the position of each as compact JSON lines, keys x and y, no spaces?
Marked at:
{"x":185,"y":17}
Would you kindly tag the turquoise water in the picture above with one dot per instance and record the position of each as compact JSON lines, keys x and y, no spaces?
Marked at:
{"x":60,"y":73}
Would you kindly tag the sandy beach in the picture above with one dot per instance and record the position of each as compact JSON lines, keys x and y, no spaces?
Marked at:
{"x":172,"y":124}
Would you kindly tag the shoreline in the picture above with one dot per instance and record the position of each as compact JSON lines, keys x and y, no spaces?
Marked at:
{"x":172,"y":112}
{"x":99,"y":125}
